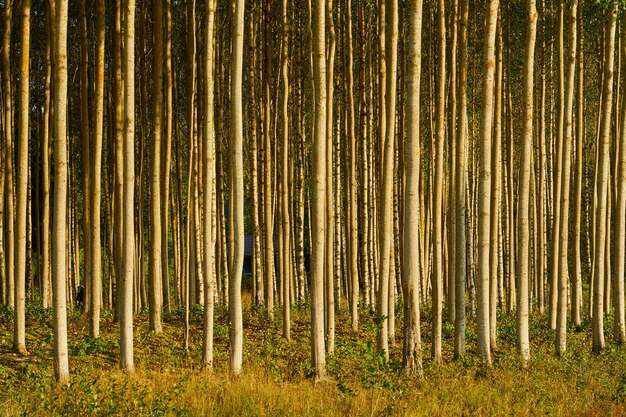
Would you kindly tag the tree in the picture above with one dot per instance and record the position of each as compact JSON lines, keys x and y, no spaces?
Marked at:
{"x":603,"y":185}
{"x":563,"y":268}
{"x":619,"y":327}
{"x":318,"y":203}
{"x":209,"y":176}
{"x":523,"y":217}
{"x":461,"y":183}
{"x":19,"y":328}
{"x":484,"y":203}
{"x":59,"y":256}
{"x":96,"y":174}
{"x":284,"y":210}
{"x":236,"y":161}
{"x":412,"y":358}
{"x":353,"y":191}
{"x":128,"y":245}
{"x":438,"y":260}
{"x":155,"y":262}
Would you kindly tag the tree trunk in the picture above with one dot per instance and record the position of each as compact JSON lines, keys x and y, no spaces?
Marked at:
{"x":318,"y":208}
{"x":209,"y":177}
{"x":236,"y":167}
{"x":523,"y":215}
{"x":96,"y":175}
{"x":59,"y":255}
{"x":19,"y":328}
{"x":155,"y":261}
{"x":412,"y":357}
{"x":602,"y":185}
{"x":484,"y":214}
{"x":128,"y":267}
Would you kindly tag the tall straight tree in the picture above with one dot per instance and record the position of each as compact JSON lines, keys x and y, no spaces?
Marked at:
{"x":59,"y":220}
{"x":209,"y":177}
{"x":353,"y":191}
{"x":461,"y":183}
{"x":236,"y":167}
{"x":268,"y":224}
{"x":386,"y":203}
{"x":568,"y":120}
{"x":284,"y":176}
{"x":619,"y":327}
{"x":484,"y":182}
{"x":166,"y":163}
{"x":604,"y":160}
{"x":523,"y":216}
{"x":128,"y":245}
{"x":318,"y":204}
{"x":8,"y":153}
{"x":19,"y":328}
{"x":412,"y":358}
{"x":96,"y":174}
{"x":329,"y":274}
{"x":155,"y":262}
{"x":440,"y":120}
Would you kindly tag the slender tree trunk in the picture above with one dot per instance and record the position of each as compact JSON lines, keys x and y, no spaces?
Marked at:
{"x":603,"y":185}
{"x":286,"y":254}
{"x":155,"y":261}
{"x":209,"y":177}
{"x":126,"y":310}
{"x":19,"y":328}
{"x":46,"y":293}
{"x":59,"y":239}
{"x":237,"y":224}
{"x":523,"y":215}
{"x":96,"y":175}
{"x":330,"y":208}
{"x":576,"y":301}
{"x":619,"y":327}
{"x":563,"y":268}
{"x":9,"y":200}
{"x":438,"y":222}
{"x":166,"y":163}
{"x":484,"y":214}
{"x":268,"y":224}
{"x":318,"y":208}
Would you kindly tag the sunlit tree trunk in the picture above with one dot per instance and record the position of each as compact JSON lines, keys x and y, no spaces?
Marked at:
{"x":619,"y":327}
{"x":329,"y":308}
{"x":96,"y":175}
{"x":59,"y":255}
{"x":286,"y":226}
{"x":563,"y":268}
{"x":438,"y":223}
{"x":236,"y":161}
{"x":484,"y":203}
{"x":155,"y":262}
{"x":318,"y":203}
{"x":46,"y":287}
{"x":126,"y":293}
{"x":19,"y":327}
{"x":166,"y":163}
{"x":603,"y":185}
{"x":412,"y":358}
{"x":208,"y":178}
{"x":523,"y":215}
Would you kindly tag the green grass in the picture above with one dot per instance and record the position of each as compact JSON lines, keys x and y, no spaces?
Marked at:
{"x":277,"y":375}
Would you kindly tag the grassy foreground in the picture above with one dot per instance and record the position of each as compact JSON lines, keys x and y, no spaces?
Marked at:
{"x":277,"y":379}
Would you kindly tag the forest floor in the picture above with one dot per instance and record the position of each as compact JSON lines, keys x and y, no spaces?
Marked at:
{"x":277,"y":376}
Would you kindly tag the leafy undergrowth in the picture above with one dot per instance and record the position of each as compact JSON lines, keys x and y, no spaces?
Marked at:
{"x":277,"y":374}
